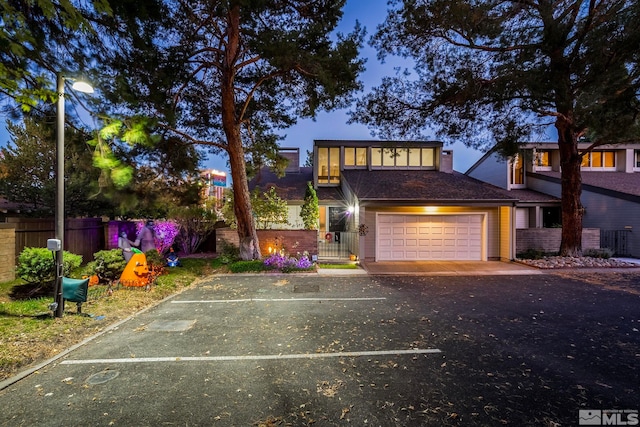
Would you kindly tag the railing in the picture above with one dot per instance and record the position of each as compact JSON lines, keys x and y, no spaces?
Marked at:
{"x":616,"y":240}
{"x":339,"y":244}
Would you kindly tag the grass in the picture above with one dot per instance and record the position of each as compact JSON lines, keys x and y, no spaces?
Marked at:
{"x":339,"y":266}
{"x":29,"y":334}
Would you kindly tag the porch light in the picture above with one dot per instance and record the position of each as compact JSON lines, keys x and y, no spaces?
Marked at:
{"x":351,"y":209}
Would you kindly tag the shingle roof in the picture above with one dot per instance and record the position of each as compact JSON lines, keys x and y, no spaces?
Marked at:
{"x":293,"y":185}
{"x":627,"y":183}
{"x":420,"y":185}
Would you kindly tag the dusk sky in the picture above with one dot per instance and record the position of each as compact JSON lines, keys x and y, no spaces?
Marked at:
{"x":334,"y":125}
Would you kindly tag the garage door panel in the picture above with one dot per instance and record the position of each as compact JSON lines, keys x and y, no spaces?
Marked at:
{"x":429,"y":237}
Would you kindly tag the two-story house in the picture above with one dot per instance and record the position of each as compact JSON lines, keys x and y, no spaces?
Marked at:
{"x":610,"y":189}
{"x":398,"y":200}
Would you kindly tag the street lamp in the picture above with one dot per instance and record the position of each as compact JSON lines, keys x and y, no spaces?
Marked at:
{"x":59,"y":228}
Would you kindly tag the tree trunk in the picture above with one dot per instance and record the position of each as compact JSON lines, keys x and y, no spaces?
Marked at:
{"x":571,"y":182}
{"x":247,"y":235}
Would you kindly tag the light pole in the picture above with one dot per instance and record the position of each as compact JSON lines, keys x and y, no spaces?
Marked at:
{"x":59,"y":227}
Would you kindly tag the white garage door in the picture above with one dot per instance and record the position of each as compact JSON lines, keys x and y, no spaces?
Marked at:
{"x":429,"y":237}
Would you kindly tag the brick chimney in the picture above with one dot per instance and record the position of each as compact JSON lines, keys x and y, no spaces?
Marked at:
{"x":293,"y":155}
{"x":446,"y":161}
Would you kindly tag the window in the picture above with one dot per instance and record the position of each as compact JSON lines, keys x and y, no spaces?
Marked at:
{"x":516,"y":178}
{"x":403,"y":157}
{"x":543,"y":160}
{"x":599,"y":160}
{"x":637,"y":159}
{"x":328,"y":165}
{"x":355,"y":156}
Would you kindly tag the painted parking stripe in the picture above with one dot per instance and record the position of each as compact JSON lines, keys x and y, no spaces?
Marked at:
{"x":412,"y":351}
{"x":215,"y":301}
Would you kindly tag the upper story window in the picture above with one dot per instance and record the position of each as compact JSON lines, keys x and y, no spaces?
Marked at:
{"x":542,"y":160}
{"x":636,"y":161}
{"x":355,"y":156}
{"x":403,"y":157}
{"x":516,"y":175}
{"x":328,"y":165}
{"x":599,"y":160}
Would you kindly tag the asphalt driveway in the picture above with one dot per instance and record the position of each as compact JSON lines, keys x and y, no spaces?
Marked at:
{"x":271,"y":350}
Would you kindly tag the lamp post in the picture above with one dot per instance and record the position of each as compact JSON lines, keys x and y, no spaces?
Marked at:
{"x":59,"y":215}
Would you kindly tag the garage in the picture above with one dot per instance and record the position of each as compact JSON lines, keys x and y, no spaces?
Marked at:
{"x":403,"y":237}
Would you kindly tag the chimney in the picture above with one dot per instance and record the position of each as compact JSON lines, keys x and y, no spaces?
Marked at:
{"x":292,"y":154}
{"x":446,"y":161}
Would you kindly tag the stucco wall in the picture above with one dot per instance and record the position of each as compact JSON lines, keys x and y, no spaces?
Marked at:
{"x":548,"y":239}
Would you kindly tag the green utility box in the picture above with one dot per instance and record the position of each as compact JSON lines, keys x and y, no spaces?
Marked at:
{"x":75,"y":290}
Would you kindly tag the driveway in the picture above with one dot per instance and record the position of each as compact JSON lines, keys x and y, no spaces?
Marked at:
{"x":278,"y":350}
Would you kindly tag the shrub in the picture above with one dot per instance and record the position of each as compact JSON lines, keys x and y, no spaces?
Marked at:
{"x":229,"y":253}
{"x":531,"y":254}
{"x":247,"y":266}
{"x":287,"y":264}
{"x":37,"y":265}
{"x":107,"y":265}
{"x":604,"y":253}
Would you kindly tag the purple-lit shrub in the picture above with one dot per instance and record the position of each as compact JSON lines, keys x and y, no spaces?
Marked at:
{"x":166,"y":232}
{"x":278,"y":261}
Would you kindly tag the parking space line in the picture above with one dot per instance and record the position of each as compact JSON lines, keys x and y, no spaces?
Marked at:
{"x":412,"y":351}
{"x":211,"y":301}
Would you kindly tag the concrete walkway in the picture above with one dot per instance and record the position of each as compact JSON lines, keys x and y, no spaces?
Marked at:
{"x":449,"y":268}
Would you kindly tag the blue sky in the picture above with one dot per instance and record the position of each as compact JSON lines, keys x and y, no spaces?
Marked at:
{"x":334,"y":125}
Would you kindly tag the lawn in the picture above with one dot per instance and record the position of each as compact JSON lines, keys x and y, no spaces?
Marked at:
{"x":29,"y":334}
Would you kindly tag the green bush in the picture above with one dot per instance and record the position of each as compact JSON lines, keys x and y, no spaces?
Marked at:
{"x":229,"y":253}
{"x":37,"y":265}
{"x":155,"y":259}
{"x":248,"y":266}
{"x":107,"y":265}
{"x":604,"y":253}
{"x":531,"y":254}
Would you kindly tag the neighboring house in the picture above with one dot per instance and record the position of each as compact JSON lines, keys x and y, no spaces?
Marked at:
{"x":610,"y":189}
{"x":398,"y":201}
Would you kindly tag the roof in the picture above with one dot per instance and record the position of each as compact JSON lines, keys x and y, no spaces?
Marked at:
{"x":293,"y":185}
{"x":622,"y":182}
{"x":375,"y":143}
{"x":421,"y":185}
{"x":531,"y":196}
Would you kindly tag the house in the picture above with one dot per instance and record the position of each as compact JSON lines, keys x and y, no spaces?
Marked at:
{"x":610,"y":189}
{"x":397,"y":201}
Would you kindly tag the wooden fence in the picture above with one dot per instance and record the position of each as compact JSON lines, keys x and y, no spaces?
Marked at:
{"x":84,"y":236}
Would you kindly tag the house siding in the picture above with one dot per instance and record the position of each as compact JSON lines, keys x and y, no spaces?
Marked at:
{"x":602,"y":211}
{"x":492,"y":170}
{"x":611,"y":213}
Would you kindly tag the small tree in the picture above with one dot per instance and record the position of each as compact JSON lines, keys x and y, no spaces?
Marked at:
{"x":268,"y":208}
{"x":309,"y":212}
{"x":196,"y":224}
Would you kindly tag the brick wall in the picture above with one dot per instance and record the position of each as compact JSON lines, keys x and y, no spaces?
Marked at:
{"x":293,"y":241}
{"x":548,"y":239}
{"x":7,"y":252}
